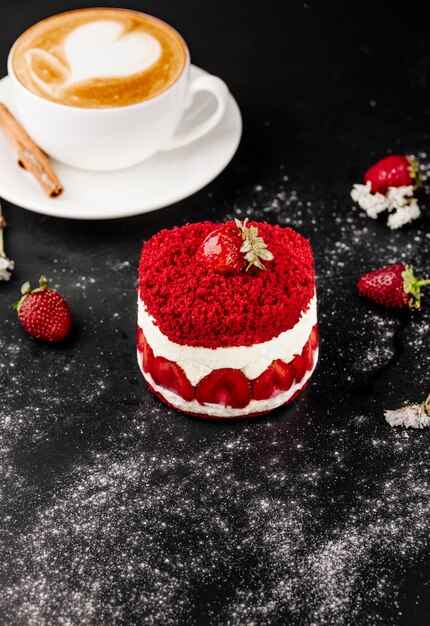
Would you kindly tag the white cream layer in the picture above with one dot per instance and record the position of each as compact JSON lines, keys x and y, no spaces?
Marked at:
{"x":251,"y":360}
{"x":219,"y":410}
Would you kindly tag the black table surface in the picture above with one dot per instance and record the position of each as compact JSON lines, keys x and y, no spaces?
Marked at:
{"x":118,"y":510}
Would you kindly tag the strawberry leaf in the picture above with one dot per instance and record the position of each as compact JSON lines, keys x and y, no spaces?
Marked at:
{"x":254,"y":247}
{"x":412,"y":286}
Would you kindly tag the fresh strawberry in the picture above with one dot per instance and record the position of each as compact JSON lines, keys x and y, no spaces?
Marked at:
{"x":43,"y":312}
{"x":169,"y":375}
{"x":303,"y":362}
{"x":145,"y":349}
{"x":278,"y":377}
{"x":393,"y":171}
{"x":314,"y":337}
{"x":231,"y":249}
{"x":221,"y":251}
{"x":224,"y":386}
{"x":394,"y":286}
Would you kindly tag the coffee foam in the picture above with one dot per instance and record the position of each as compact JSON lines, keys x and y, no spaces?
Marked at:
{"x":99,"y":57}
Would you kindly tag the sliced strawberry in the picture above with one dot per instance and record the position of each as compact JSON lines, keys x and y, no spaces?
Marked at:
{"x":224,"y":386}
{"x":303,"y":362}
{"x":314,"y":337}
{"x":169,"y":375}
{"x":146,"y":350}
{"x":299,"y":367}
{"x":307,"y":355}
{"x":278,"y":377}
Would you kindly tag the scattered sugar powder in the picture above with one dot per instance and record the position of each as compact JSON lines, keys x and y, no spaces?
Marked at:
{"x":115,"y":509}
{"x":245,"y":529}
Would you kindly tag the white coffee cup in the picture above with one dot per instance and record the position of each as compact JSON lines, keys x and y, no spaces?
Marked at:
{"x":103,"y":139}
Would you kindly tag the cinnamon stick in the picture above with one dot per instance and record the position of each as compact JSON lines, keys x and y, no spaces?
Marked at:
{"x":30,"y":156}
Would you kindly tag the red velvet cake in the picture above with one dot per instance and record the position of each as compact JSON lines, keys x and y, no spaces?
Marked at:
{"x":227,"y":322}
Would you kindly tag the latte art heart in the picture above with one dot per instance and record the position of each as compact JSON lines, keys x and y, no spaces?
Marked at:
{"x":95,"y":50}
{"x":101,"y":49}
{"x":99,"y":57}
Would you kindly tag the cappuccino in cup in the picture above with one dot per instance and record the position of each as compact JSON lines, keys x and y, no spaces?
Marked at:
{"x":99,"y":58}
{"x":103,"y":89}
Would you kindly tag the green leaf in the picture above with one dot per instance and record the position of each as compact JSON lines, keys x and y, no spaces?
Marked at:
{"x":25,"y":288}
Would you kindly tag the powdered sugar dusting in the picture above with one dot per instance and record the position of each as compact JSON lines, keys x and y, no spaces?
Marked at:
{"x":116,"y":509}
{"x":129,"y":535}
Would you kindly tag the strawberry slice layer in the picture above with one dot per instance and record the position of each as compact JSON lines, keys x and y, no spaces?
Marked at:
{"x":278,"y":377}
{"x":171,"y":376}
{"x":307,"y":355}
{"x":145,"y":349}
{"x":314,"y":337}
{"x":225,"y":386}
{"x":303,"y":362}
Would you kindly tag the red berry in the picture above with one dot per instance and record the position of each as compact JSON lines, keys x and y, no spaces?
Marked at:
{"x":394,"y":286}
{"x":393,"y":171}
{"x":145,"y":349}
{"x":43,"y":312}
{"x":303,"y":362}
{"x":169,"y":375}
{"x":299,"y":366}
{"x":308,"y":354}
{"x":278,"y":377}
{"x":314,"y":337}
{"x":220,"y":251}
{"x":386,"y":287}
{"x":224,"y":386}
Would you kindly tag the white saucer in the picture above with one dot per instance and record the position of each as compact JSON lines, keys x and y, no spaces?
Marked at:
{"x":160,"y":181}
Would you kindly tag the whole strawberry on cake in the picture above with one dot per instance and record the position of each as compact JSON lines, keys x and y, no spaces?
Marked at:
{"x":227,"y":322}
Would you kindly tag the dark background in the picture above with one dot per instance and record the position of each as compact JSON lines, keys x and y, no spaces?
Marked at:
{"x":116,"y":509}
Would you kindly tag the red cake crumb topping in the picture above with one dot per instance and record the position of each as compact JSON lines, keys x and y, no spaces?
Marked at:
{"x":193,"y":305}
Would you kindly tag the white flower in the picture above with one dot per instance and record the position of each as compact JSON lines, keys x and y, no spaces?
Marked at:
{"x":399,"y":196}
{"x":6,"y":267}
{"x":372,"y":203}
{"x":404,"y":215}
{"x":411,"y":416}
{"x":399,"y":202}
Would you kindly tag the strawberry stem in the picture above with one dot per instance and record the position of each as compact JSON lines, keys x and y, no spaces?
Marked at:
{"x":26,"y":290}
{"x":412,"y":286}
{"x":43,"y":283}
{"x":414,"y":170}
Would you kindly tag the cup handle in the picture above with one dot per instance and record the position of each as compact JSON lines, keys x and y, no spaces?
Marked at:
{"x":219,"y":89}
